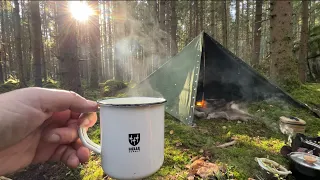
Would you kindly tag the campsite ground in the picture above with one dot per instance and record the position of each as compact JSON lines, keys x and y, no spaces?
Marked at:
{"x":258,"y":138}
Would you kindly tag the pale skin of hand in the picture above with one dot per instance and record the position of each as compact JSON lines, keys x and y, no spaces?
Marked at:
{"x":39,"y":125}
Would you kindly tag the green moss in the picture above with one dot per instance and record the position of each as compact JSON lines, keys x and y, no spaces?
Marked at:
{"x":111,"y":87}
{"x":10,"y":85}
{"x":258,"y":138}
{"x":93,"y":169}
{"x":50,"y":83}
{"x":308,"y":93}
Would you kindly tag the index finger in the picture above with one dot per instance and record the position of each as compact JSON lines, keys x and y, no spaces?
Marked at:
{"x":54,"y":100}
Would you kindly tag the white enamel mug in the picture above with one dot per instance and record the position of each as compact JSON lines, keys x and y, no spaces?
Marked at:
{"x":132,"y":136}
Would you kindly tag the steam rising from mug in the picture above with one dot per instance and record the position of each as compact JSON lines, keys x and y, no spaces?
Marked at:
{"x":137,"y":33}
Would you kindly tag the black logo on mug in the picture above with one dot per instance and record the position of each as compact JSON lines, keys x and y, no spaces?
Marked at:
{"x":134,"y":139}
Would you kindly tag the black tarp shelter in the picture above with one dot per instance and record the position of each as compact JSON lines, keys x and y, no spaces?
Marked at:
{"x":205,"y":69}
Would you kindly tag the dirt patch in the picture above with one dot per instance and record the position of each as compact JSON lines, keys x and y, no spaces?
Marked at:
{"x":50,"y":171}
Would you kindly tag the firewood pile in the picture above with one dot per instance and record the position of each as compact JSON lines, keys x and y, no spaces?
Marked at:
{"x":221,"y":109}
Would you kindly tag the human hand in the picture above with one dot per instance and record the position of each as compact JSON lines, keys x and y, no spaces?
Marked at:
{"x":39,"y":125}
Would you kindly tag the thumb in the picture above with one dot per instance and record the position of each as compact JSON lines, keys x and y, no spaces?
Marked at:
{"x":54,"y":100}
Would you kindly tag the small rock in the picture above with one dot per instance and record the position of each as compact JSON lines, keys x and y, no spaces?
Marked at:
{"x":224,"y":127}
{"x":191,"y":177}
{"x":239,"y":122}
{"x":201,"y":151}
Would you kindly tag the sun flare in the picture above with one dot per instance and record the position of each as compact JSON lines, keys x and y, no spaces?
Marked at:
{"x":80,"y":10}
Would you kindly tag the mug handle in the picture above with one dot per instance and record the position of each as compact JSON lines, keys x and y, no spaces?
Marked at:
{"x":86,"y":141}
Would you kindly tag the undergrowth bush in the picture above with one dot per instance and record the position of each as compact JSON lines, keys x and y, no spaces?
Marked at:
{"x":10,"y":85}
{"x":50,"y":83}
{"x":111,"y":87}
{"x":308,"y":93}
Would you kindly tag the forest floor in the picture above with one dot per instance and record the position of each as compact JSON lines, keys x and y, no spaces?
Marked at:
{"x":258,"y":138}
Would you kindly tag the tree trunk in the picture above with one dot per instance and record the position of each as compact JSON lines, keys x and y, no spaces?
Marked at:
{"x":10,"y":20}
{"x":213,"y":20}
{"x":174,"y":24}
{"x":8,"y":42}
{"x":236,"y":36}
{"x":191,"y":27}
{"x":69,"y":62}
{"x":110,"y":54}
{"x":224,"y":24}
{"x":105,"y":43}
{"x":162,"y":14}
{"x":201,"y":14}
{"x":29,"y":73}
{"x":44,"y":58}
{"x":36,"y":42}
{"x":303,"y":42}
{"x":196,"y":18}
{"x":156,"y":11}
{"x":257,"y":34}
{"x":3,"y":46}
{"x":247,"y":31}
{"x":94,"y":41}
{"x":283,"y":69}
{"x":18,"y":44}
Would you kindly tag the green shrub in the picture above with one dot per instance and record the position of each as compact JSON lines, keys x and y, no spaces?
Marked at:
{"x":111,"y":87}
{"x":10,"y":85}
{"x":51,"y":84}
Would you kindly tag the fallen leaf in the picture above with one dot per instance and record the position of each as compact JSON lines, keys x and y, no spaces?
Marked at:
{"x":171,"y":132}
{"x":191,"y":177}
{"x":195,"y":166}
{"x":208,"y":169}
{"x":214,"y":167}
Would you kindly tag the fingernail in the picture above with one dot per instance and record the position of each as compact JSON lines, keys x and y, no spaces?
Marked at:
{"x":85,"y":123}
{"x":73,"y":160}
{"x":54,"y":138}
{"x":92,"y":103}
